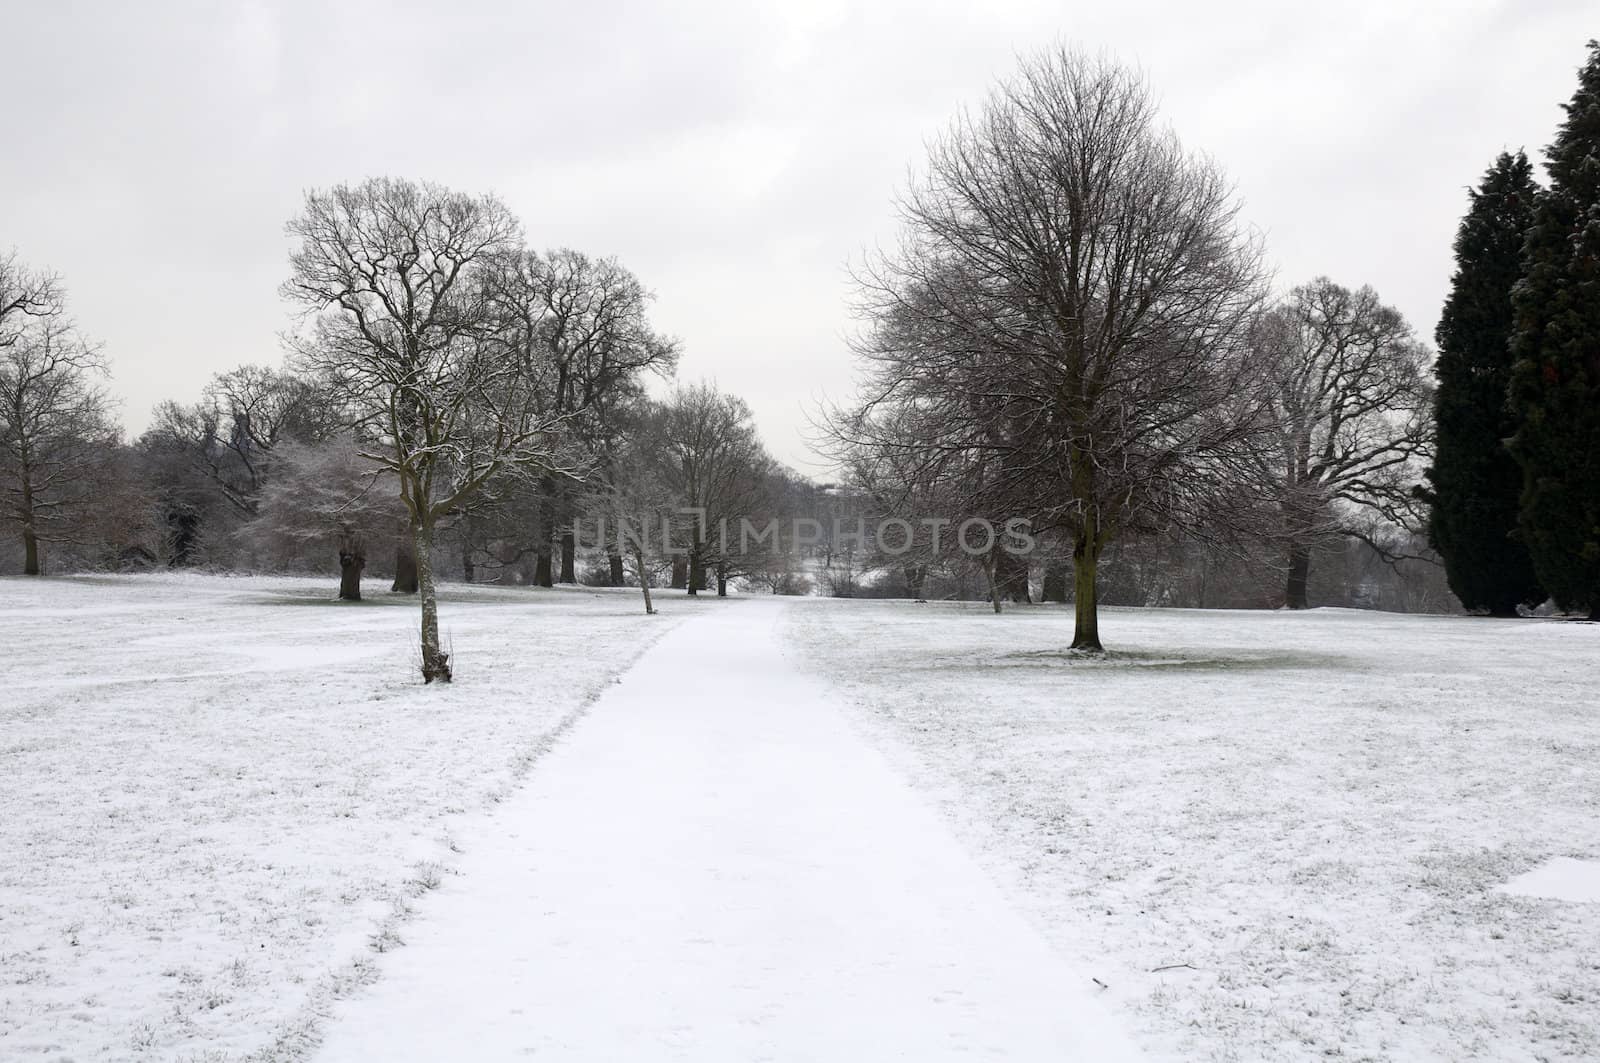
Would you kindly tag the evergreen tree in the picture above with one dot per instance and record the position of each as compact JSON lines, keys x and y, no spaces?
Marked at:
{"x":1555,"y":386}
{"x":1475,"y":480}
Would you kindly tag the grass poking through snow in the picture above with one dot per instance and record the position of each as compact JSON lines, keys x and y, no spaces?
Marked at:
{"x":1301,"y":817}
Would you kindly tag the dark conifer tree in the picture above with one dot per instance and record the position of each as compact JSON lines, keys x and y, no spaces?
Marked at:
{"x":1555,"y":386}
{"x":1476,"y":483}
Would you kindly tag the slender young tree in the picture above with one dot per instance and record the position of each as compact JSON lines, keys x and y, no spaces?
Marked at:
{"x":632,"y":503}
{"x":1071,"y":300}
{"x":1555,"y":386}
{"x":396,"y":277}
{"x":1475,"y":482}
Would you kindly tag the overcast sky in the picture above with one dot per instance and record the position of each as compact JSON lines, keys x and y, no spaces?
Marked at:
{"x":735,"y":156}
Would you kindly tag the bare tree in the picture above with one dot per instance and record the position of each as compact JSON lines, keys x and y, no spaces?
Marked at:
{"x":1067,"y":311}
{"x":396,"y":275}
{"x":1352,"y":400}
{"x":27,"y":296}
{"x":580,"y":325}
{"x":904,"y":485}
{"x":56,"y":431}
{"x":712,"y":459}
{"x":632,"y":503}
{"x":229,"y":436}
{"x":324,"y":496}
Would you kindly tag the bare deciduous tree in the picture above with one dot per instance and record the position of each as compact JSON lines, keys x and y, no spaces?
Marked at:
{"x":229,"y":436}
{"x":397,"y":277}
{"x":328,"y":495}
{"x":27,"y":296}
{"x":633,"y":503}
{"x":1351,"y":397}
{"x":711,"y":458}
{"x":1068,"y":307}
{"x":581,"y":326}
{"x":56,"y":431}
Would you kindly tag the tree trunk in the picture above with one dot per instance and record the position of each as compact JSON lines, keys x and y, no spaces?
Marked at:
{"x":994,"y":584}
{"x":722,"y":579}
{"x":30,"y":551}
{"x":435,"y":662}
{"x":1086,"y":607}
{"x":644,"y":580}
{"x":405,"y":566}
{"x":469,"y":547}
{"x":697,"y":570}
{"x":182,"y":530}
{"x":1012,"y":574}
{"x":1294,"y":591}
{"x":569,"y":556}
{"x":914,"y":576}
{"x":618,"y":578}
{"x":30,"y":534}
{"x":1055,"y":582}
{"x":351,"y":562}
{"x":680,"y":572}
{"x":541,"y":570}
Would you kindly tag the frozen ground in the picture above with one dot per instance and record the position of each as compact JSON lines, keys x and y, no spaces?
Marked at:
{"x":1302,"y":817}
{"x":225,"y":805}
{"x":713,"y":866}
{"x":218,"y":796}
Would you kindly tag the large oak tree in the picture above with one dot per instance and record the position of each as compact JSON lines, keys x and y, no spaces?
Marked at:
{"x":1068,"y":308}
{"x":1352,"y":408}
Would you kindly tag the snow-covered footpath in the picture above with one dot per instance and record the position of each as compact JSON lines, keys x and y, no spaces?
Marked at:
{"x":1275,"y":836}
{"x":714,"y":866}
{"x":234,"y":827}
{"x":218,"y":796}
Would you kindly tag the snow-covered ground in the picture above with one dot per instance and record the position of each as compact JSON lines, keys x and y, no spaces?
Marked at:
{"x":713,"y":866}
{"x":226,"y":806}
{"x":218,"y":796}
{"x":1560,"y":879}
{"x":1273,"y":836}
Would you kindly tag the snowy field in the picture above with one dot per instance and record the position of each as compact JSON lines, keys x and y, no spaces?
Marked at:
{"x":1303,"y":818}
{"x":715,"y":867}
{"x":219,"y":797}
{"x":232,"y":823}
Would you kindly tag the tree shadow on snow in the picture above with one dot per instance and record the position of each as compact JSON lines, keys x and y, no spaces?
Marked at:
{"x":1167,"y":660}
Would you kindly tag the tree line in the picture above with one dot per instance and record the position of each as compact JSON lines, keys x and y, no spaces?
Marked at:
{"x":448,"y":392}
{"x":1075,"y":327}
